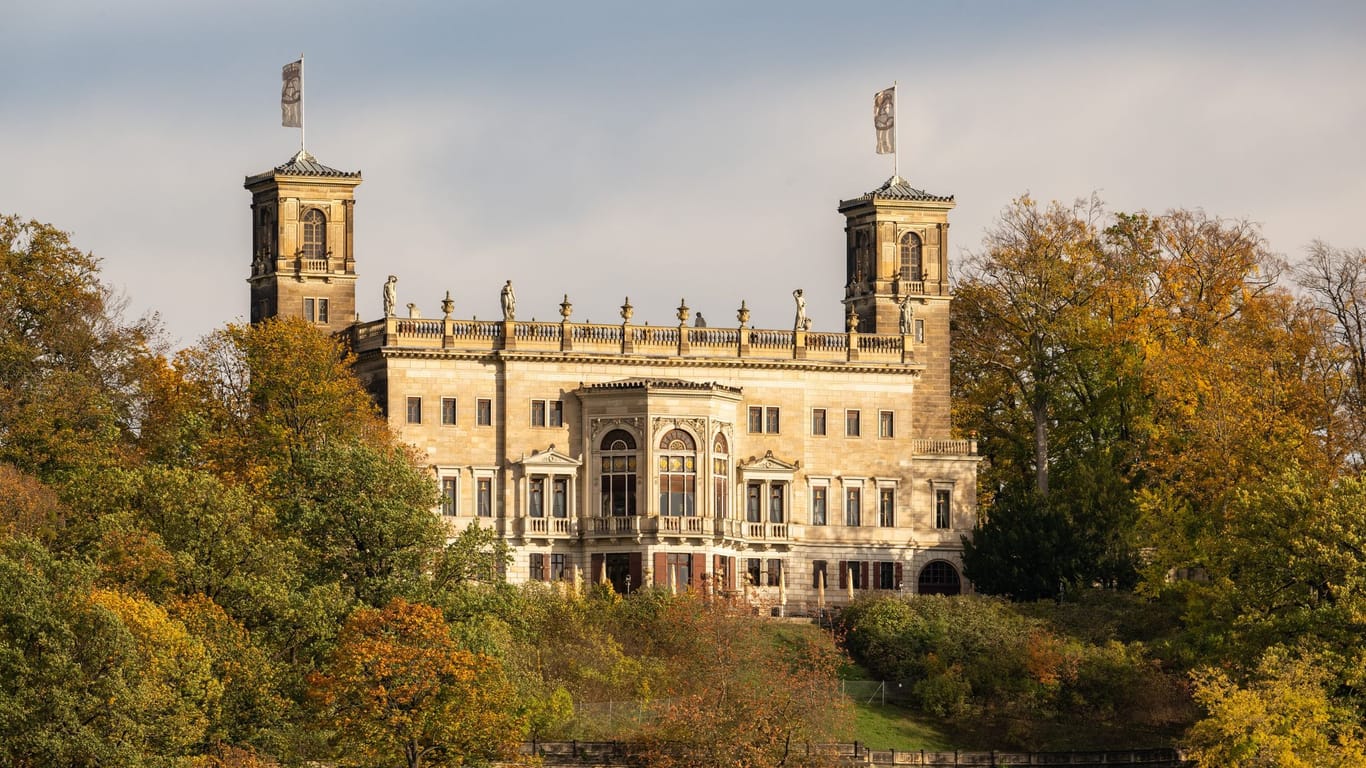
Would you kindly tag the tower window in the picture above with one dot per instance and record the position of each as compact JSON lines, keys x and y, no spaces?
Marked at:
{"x":315,"y":310}
{"x":414,"y":410}
{"x":315,"y":235}
{"x":912,"y":267}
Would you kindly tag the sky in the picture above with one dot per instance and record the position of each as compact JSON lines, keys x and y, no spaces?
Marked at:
{"x":661,"y":151}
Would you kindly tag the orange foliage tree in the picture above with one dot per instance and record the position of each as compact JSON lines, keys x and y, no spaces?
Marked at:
{"x":737,"y":696}
{"x":399,"y":687}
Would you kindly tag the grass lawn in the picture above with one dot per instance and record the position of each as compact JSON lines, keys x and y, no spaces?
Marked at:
{"x":891,"y":727}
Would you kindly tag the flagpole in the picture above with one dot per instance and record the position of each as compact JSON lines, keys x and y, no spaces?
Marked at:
{"x":896,"y":132}
{"x":302,"y":135}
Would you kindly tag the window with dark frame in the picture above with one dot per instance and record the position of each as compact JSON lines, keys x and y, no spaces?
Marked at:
{"x":555,"y":413}
{"x":483,"y":412}
{"x":484,"y":496}
{"x":559,"y":498}
{"x":942,"y":501}
{"x":818,"y":422}
{"x":919,"y":331}
{"x":448,"y":411}
{"x":886,"y":424}
{"x":536,"y":497}
{"x":414,"y":410}
{"x":537,"y":566}
{"x":775,"y":572}
{"x":852,"y":427}
{"x":765,"y":419}
{"x":853,"y":507}
{"x":753,"y":568}
{"x":754,"y":503}
{"x":819,"y":496}
{"x":886,"y":507}
{"x":559,"y":568}
{"x":886,"y":575}
{"x":315,"y":234}
{"x":450,"y":488}
{"x":818,"y":577}
{"x":538,"y":413}
{"x":617,"y":474}
{"x":777,"y":502}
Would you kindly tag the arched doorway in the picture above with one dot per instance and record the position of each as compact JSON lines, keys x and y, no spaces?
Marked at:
{"x":939,"y":578}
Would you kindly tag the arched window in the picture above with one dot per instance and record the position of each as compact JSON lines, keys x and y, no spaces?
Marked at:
{"x":911,"y":266}
{"x":617,"y":474}
{"x":720,"y":476}
{"x":939,"y":578}
{"x":315,"y":234}
{"x":677,"y":474}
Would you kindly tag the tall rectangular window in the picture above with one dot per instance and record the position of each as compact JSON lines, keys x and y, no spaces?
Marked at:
{"x":855,"y":571}
{"x":919,"y":331}
{"x":886,"y":424}
{"x":886,"y":576}
{"x":322,"y":311}
{"x":942,"y":500}
{"x":484,"y":496}
{"x":818,"y":578}
{"x":559,"y":498}
{"x":537,"y":566}
{"x":777,"y":512}
{"x":753,"y":566}
{"x":756,"y":419}
{"x":680,"y":567}
{"x":559,"y":568}
{"x":448,"y":410}
{"x":853,"y":507}
{"x":310,"y":314}
{"x":536,"y":497}
{"x":754,"y":503}
{"x":852,"y":427}
{"x":483,"y":412}
{"x":886,"y":507}
{"x":414,"y":410}
{"x":775,"y":572}
{"x":818,"y":422}
{"x":555,"y":414}
{"x":450,"y":489}
{"x":818,"y":504}
{"x":771,"y":420}
{"x":538,"y":413}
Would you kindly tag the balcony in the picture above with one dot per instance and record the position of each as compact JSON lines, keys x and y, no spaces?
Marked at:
{"x":609,"y":527}
{"x":684,"y":526}
{"x":549,"y":527}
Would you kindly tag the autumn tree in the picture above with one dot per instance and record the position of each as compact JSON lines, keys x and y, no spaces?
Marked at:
{"x":740,"y":695}
{"x":398,"y":689}
{"x":70,"y":366}
{"x":1045,"y":374}
{"x":1334,"y":280}
{"x":249,"y":401}
{"x":93,"y":677}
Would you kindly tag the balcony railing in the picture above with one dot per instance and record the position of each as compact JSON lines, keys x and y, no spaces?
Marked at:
{"x":628,"y":339}
{"x":549,"y":526}
{"x":943,"y":447}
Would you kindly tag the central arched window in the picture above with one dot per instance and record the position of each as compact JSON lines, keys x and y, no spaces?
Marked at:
{"x":677,"y":474}
{"x":720,"y":476}
{"x":617,"y":473}
{"x":939,"y":578}
{"x":315,"y":234}
{"x":912,"y":268}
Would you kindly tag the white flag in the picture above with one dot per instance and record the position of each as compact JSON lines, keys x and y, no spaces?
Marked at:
{"x":292,"y":95}
{"x":884,"y":120}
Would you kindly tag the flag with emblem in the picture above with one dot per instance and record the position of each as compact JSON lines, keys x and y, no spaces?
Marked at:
{"x":292,"y":95}
{"x":884,"y":120}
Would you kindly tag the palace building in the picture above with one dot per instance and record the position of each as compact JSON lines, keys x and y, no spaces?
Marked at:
{"x":788,"y":466}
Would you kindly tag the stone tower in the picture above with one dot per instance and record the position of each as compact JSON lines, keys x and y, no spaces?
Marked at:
{"x":897,"y":282}
{"x":303,"y":256}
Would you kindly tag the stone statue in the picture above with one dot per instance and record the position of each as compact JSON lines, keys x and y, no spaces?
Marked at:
{"x":800,"y":322}
{"x":699,"y":321}
{"x":509,"y":302}
{"x":390,"y":295}
{"x":907,"y":316}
